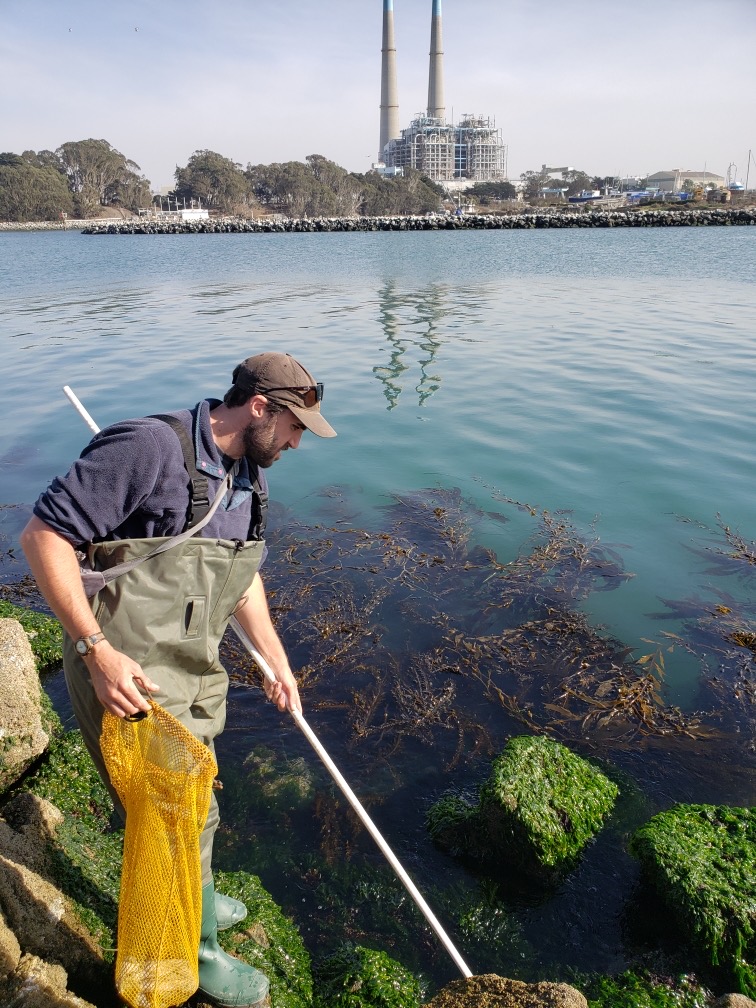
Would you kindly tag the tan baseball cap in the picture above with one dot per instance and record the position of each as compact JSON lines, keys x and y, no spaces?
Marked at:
{"x":284,"y":380}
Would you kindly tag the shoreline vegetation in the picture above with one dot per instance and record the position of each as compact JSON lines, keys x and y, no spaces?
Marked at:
{"x":528,"y":219}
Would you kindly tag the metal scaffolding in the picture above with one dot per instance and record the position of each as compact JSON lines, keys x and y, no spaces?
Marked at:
{"x":471,"y":151}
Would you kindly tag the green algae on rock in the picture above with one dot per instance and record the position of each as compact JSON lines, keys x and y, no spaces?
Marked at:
{"x":267,"y":940}
{"x":702,"y":861}
{"x":540,"y":806}
{"x":357,"y":977}
{"x":644,"y":990}
{"x":44,"y":632}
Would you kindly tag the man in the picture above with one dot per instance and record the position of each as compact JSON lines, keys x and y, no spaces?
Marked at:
{"x":157,"y":627}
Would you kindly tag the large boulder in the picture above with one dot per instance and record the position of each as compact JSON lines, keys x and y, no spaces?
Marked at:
{"x":492,"y":991}
{"x":22,"y":734}
{"x":34,"y":983}
{"x":701,"y":859}
{"x":538,"y":810}
{"x":42,"y":918}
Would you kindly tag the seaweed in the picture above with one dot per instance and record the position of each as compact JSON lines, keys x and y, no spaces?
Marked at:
{"x":538,"y":809}
{"x":44,"y":632}
{"x":358,"y":977}
{"x":702,"y":861}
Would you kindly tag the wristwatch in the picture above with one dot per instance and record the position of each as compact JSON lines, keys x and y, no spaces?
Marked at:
{"x":85,"y":645}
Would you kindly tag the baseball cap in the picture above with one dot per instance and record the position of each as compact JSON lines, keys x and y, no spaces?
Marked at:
{"x":284,"y":380}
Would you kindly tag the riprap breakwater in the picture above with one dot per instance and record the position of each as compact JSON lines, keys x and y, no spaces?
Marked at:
{"x":591,"y":219}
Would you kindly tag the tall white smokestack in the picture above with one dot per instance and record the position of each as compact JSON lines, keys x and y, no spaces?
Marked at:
{"x":389,"y":93}
{"x":436,"y":108}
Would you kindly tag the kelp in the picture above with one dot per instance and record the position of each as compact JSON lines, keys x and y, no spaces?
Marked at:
{"x":432,"y":633}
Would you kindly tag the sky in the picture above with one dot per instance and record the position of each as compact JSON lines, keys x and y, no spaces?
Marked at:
{"x":611,"y":88}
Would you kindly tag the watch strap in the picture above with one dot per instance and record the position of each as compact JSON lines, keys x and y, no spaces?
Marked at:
{"x":89,"y":640}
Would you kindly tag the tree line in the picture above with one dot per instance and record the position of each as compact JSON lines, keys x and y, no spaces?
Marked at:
{"x":76,"y":179}
{"x":83,"y":176}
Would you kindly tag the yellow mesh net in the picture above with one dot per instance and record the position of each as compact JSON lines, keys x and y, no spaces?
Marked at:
{"x":164,"y":777}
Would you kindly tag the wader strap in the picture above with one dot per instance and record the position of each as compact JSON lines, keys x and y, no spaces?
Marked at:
{"x":94,"y":580}
{"x":199,"y":493}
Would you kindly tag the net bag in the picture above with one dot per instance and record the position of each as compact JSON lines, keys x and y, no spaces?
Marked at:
{"x":163,"y":776}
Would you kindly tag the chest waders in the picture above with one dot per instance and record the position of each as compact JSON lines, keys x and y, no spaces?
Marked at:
{"x":168,"y":614}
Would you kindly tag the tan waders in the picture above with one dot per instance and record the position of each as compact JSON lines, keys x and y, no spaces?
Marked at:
{"x":169,"y":615}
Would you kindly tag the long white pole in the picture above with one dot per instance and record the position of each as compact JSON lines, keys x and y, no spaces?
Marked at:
{"x":329,"y":764}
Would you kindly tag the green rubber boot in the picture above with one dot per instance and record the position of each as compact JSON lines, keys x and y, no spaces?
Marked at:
{"x":227,"y":981}
{"x":228,"y":911}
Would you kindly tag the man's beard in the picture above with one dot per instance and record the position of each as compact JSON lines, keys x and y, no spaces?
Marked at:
{"x":259,"y":442}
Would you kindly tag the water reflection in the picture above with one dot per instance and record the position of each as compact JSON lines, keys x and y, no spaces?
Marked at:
{"x":411,"y":324}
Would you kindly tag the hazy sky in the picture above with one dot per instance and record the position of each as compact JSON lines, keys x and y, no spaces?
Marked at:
{"x":626,"y":87}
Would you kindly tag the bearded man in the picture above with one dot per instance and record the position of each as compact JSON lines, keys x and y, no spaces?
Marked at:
{"x":157,"y":628}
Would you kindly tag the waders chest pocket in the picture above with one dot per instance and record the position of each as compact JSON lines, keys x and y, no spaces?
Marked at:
{"x":194,"y":615}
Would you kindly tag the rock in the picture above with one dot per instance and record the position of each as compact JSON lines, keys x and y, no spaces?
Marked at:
{"x":358,"y":977}
{"x":492,"y":991}
{"x":10,"y":950}
{"x":41,"y":917}
{"x":734,"y":1001}
{"x":22,"y":736}
{"x":541,"y":804}
{"x":701,"y":859}
{"x":37,"y":984}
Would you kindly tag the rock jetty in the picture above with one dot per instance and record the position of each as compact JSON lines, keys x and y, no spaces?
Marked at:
{"x":437,"y":222}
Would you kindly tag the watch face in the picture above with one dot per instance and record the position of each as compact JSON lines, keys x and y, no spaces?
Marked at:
{"x":81,"y":647}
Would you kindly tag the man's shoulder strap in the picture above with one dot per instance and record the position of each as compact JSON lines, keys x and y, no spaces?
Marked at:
{"x":199,"y":491}
{"x":199,"y":495}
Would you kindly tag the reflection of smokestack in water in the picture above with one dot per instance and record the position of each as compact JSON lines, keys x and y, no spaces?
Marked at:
{"x":389,"y":96}
{"x":436,"y":109}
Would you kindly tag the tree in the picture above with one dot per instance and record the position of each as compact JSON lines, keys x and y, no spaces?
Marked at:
{"x":534,"y":183}
{"x":333,"y":177}
{"x":492,"y":191}
{"x":99,"y":175}
{"x":28,"y":193}
{"x":215,"y":181}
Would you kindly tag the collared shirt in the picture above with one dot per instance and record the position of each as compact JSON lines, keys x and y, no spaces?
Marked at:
{"x":130,"y":482}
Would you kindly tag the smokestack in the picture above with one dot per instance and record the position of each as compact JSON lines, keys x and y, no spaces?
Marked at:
{"x":436,"y":109}
{"x":389,"y":95}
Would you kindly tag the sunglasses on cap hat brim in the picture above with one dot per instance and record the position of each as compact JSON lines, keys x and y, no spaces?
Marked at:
{"x":310,"y":395}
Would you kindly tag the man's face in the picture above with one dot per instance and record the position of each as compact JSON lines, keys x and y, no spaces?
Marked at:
{"x":266,"y":439}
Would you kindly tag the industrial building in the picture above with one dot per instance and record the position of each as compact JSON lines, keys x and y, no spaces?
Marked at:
{"x":674,"y":180}
{"x":462,"y":154}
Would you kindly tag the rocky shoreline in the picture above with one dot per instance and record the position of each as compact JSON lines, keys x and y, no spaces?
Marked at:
{"x":527,"y":220}
{"x":439,"y":222}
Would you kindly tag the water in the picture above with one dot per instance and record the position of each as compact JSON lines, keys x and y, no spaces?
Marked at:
{"x":607,"y":374}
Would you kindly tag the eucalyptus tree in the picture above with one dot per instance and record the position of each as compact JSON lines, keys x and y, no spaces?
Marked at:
{"x":99,"y":175}
{"x":215,"y":181}
{"x":29,"y":193}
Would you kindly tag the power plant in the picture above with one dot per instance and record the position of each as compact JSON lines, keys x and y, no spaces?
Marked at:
{"x":469,"y":152}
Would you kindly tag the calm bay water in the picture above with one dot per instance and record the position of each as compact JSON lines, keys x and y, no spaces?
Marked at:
{"x":606,"y":373}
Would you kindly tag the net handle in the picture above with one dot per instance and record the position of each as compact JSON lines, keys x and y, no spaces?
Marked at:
{"x":314,"y":741}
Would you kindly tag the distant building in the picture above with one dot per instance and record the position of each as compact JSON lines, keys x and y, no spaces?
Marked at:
{"x":674,"y":180}
{"x":471,"y":151}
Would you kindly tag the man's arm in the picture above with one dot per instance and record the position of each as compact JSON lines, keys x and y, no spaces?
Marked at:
{"x":54,"y":565}
{"x":254,"y":616}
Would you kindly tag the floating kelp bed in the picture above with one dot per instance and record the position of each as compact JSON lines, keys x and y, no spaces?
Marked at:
{"x":421,"y":627}
{"x":419,"y":655}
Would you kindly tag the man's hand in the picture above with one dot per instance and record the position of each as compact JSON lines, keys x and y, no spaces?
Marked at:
{"x":115,"y":678}
{"x":283,"y":692}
